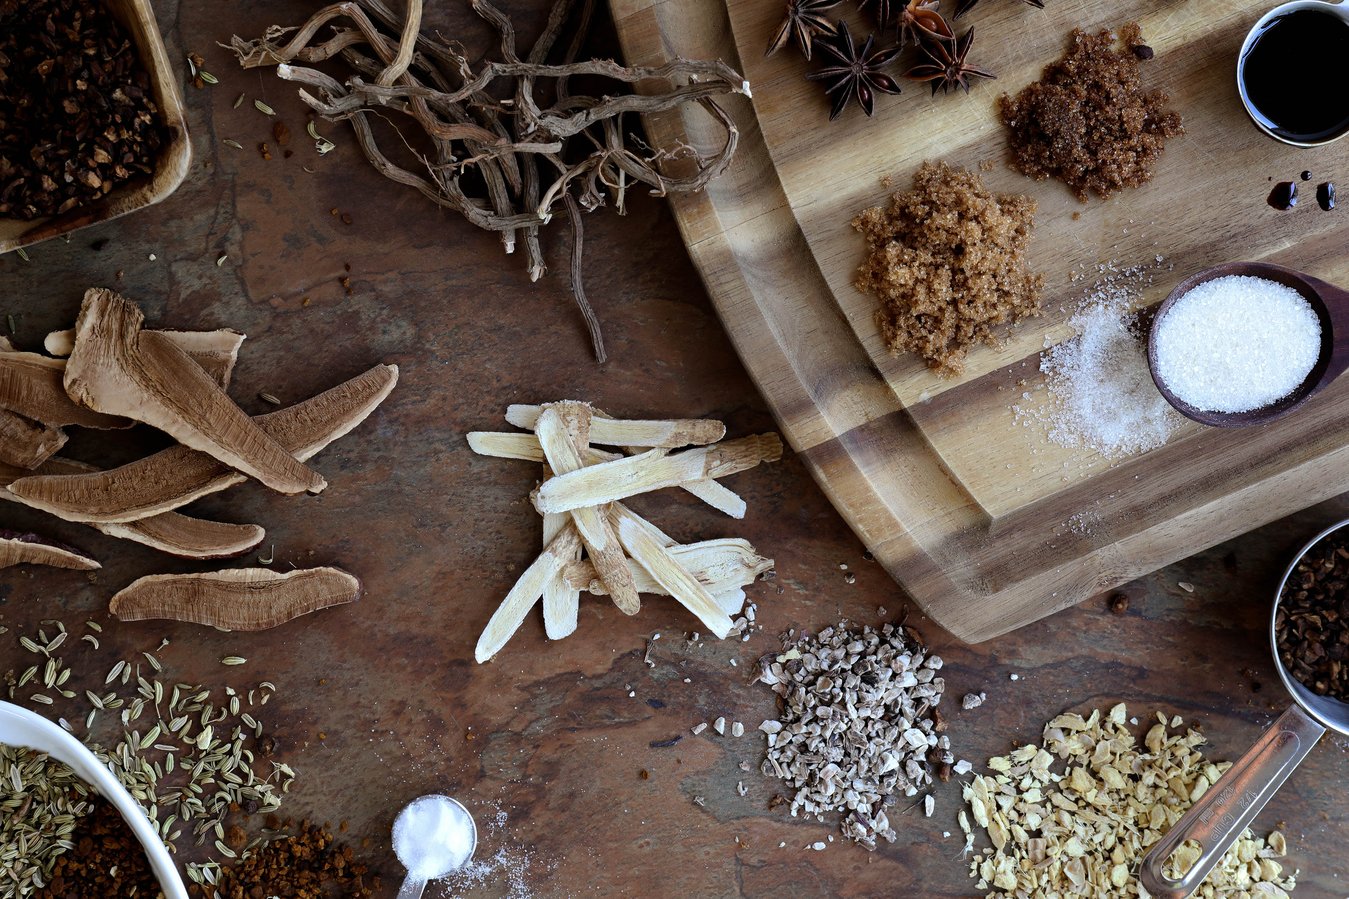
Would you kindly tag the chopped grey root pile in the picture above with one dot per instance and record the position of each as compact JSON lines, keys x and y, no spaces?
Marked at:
{"x":1100,"y":395}
{"x":858,"y":724}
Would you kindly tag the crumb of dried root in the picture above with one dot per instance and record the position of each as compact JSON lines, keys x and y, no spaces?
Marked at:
{"x":947,"y":260}
{"x":858,"y":724}
{"x":1088,"y":119}
{"x":1075,"y":815}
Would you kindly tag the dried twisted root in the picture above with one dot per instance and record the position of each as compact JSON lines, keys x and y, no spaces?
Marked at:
{"x":514,"y":145}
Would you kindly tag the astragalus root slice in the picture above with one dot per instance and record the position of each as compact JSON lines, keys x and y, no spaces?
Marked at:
{"x":625,"y":555}
{"x":33,"y":549}
{"x":561,"y":598}
{"x":719,"y":565}
{"x":643,"y":543}
{"x":525,"y":447}
{"x":27,"y":443}
{"x":34,"y":387}
{"x":562,"y":430}
{"x":654,"y":470}
{"x":119,"y":369}
{"x":237,"y":599}
{"x":215,"y":351}
{"x":673,"y":432}
{"x":176,"y":476}
{"x":178,"y":535}
{"x":506,"y":620}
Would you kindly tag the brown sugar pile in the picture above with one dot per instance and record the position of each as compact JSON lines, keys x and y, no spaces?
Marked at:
{"x":947,"y":261}
{"x":1088,"y":119}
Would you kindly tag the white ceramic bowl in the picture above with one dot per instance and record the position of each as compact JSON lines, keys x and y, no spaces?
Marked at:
{"x":20,"y":727}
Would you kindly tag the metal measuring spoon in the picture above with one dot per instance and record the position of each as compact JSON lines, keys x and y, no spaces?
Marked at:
{"x":455,"y":821}
{"x":1218,"y":818}
{"x":1331,"y":305}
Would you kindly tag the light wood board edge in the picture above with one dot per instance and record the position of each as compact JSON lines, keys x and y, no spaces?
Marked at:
{"x":833,"y":404}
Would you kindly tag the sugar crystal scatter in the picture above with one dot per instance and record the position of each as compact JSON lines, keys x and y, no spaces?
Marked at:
{"x":1100,"y":393}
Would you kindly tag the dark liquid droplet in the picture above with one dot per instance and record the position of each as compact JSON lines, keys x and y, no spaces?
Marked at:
{"x":1306,"y":175}
{"x":1325,"y":195}
{"x":1293,"y":73}
{"x":1283,"y":196}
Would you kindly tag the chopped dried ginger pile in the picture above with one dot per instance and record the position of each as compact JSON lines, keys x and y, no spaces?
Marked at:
{"x":1082,"y":827}
{"x":947,"y":260}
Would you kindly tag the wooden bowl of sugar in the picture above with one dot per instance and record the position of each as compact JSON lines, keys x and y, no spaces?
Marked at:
{"x":1245,"y":343}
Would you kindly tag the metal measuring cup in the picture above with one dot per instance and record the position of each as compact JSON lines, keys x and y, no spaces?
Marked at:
{"x":1230,"y":805}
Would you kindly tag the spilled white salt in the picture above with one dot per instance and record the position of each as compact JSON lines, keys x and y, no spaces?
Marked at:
{"x":433,"y":836}
{"x":1100,"y":393}
{"x":1237,"y":343}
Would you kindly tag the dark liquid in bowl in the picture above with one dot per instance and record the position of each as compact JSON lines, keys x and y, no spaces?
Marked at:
{"x":1296,"y":76}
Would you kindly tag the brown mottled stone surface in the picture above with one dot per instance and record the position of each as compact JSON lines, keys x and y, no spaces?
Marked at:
{"x":380,"y":701}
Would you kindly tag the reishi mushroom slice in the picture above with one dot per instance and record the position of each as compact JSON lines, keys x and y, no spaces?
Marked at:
{"x":26,"y":443}
{"x":215,"y":351}
{"x":236,"y":599}
{"x":169,"y":532}
{"x":33,"y":549}
{"x":33,"y":386}
{"x":176,"y":476}
{"x":118,"y":368}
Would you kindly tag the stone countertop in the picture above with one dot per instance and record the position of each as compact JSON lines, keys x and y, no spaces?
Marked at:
{"x":550,"y":744}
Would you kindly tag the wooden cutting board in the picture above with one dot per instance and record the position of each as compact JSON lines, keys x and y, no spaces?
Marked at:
{"x":984,"y":521}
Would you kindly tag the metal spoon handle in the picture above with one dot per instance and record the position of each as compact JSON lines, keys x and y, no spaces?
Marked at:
{"x":1230,"y":805}
{"x":412,"y":888}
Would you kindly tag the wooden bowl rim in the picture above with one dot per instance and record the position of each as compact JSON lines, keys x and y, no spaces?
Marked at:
{"x":1297,"y":280}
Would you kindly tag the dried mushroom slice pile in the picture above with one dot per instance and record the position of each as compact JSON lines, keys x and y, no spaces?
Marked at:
{"x":593,"y":542}
{"x":1081,"y":828}
{"x":119,"y":373}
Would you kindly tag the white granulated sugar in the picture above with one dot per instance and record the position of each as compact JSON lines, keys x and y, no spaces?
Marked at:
{"x":1101,"y":396}
{"x":1237,"y":343}
{"x":432,"y":837}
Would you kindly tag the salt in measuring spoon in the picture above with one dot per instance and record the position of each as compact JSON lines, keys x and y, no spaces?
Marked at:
{"x":1331,"y":305}
{"x":433,"y":836}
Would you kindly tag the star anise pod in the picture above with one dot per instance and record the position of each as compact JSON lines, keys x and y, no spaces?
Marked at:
{"x":964,"y":6}
{"x":946,"y":66}
{"x":805,"y":21}
{"x":919,"y":19}
{"x":884,"y":12}
{"x":854,"y":72}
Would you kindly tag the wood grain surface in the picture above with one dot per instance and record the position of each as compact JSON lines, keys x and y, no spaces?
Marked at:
{"x":380,"y":701}
{"x":971,"y":510}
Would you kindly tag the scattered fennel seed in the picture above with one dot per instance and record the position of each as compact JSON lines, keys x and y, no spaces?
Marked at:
{"x":239,"y":101}
{"x":233,"y":660}
{"x":232,"y":143}
{"x":208,"y":77}
{"x":264,"y":108}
